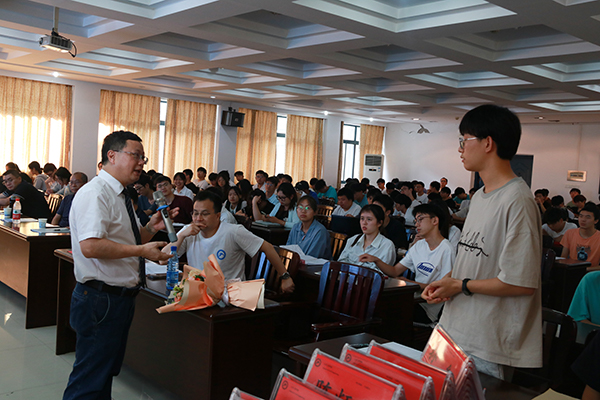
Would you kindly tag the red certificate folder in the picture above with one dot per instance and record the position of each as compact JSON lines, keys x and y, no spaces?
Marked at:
{"x":416,"y":386}
{"x":290,"y":387}
{"x":443,"y":381}
{"x":237,"y":394}
{"x":347,"y":381}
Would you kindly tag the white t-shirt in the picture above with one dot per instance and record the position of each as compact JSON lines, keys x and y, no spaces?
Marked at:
{"x":230,"y":245}
{"x":454,"y":237}
{"x":202,"y":184}
{"x":354,"y":210}
{"x":501,"y":239}
{"x":554,"y":235}
{"x":263,"y":187}
{"x":422,"y":198}
{"x":184,"y":192}
{"x":381,"y":247}
{"x":463,"y":209}
{"x":428,"y":266}
{"x":227,"y":216}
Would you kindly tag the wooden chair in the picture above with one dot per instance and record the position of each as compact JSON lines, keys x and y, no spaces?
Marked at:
{"x":559,"y":335}
{"x":54,"y":201}
{"x":338,"y":241}
{"x":327,"y":201}
{"x":323,"y":219}
{"x":261,"y":268}
{"x":325,"y":210}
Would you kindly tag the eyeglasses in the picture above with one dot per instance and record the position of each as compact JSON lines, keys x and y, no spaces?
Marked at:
{"x":203,"y":214}
{"x":303,"y":208}
{"x":281,"y":198}
{"x":462,"y":140}
{"x":138,"y":157}
{"x":420,"y":219}
{"x":162,"y":185}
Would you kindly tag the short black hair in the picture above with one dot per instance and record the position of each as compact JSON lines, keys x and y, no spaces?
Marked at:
{"x":538,"y":191}
{"x":365,"y":181}
{"x":162,"y":178}
{"x":288,"y":190}
{"x":287,"y":177}
{"x":591,"y":207}
{"x":434,"y":196}
{"x":274,"y":180}
{"x":259,"y":193}
{"x":201,"y":169}
{"x":213,"y":197}
{"x":380,"y":180}
{"x":390,"y":186}
{"x":117,"y":141}
{"x":49,"y":167}
{"x":34,"y":165}
{"x":403,"y":199}
{"x":575,"y":190}
{"x":312,"y":203}
{"x":579,"y":198}
{"x":132,"y":193}
{"x":63,"y":173}
{"x":145,"y":180}
{"x":545,"y":192}
{"x":446,"y":190}
{"x":213,"y":176}
{"x":302,"y":186}
{"x":497,"y":122}
{"x":376,"y":210}
{"x":313,"y":181}
{"x":553,"y":215}
{"x":459,"y":190}
{"x":436,"y":185}
{"x":320,"y":184}
{"x":83,"y":176}
{"x":12,"y":165}
{"x":346,"y":192}
{"x":188,"y":173}
{"x":236,"y":173}
{"x":385,"y":201}
{"x":12,"y":172}
{"x":373,"y":193}
{"x":261,"y":172}
{"x":557,"y":201}
{"x":433,"y":210}
{"x":179,"y":175}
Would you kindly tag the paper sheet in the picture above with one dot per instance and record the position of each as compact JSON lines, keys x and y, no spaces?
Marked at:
{"x":552,"y":395}
{"x":308,"y":260}
{"x":154,"y":268}
{"x":51,"y":230}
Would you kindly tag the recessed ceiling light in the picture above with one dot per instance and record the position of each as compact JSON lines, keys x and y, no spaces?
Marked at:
{"x":55,"y":74}
{"x":326,"y":112}
{"x":416,"y":119}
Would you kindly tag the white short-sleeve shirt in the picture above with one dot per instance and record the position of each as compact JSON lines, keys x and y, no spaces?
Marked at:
{"x":184,"y":192}
{"x":382,"y":248}
{"x":98,"y":211}
{"x":354,"y":210}
{"x":553,"y":234}
{"x":229,"y":244}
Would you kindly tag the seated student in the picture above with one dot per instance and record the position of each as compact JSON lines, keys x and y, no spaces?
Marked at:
{"x":585,"y":305}
{"x":542,"y":200}
{"x":587,"y":368}
{"x":312,"y":183}
{"x":443,"y":182}
{"x":389,"y":188}
{"x":271,"y":185}
{"x":573,"y":192}
{"x":145,"y":189}
{"x":234,"y":201}
{"x":285,"y":178}
{"x":407,"y":189}
{"x":559,"y":202}
{"x":37,"y":176}
{"x":346,"y":205}
{"x":304,"y":190}
{"x":579,"y":202}
{"x":555,"y":225}
{"x":207,"y":235}
{"x":371,"y":241}
{"x":189,"y":174}
{"x":421,"y":195}
{"x":323,"y":190}
{"x":264,"y":207}
{"x":284,"y":213}
{"x":372,"y":193}
{"x":261,"y":179}
{"x":63,"y":176}
{"x":463,"y":208}
{"x":179,"y":188}
{"x":381,"y":184}
{"x":312,"y":237}
{"x":404,"y":207}
{"x":212,"y":178}
{"x":226,"y":216}
{"x":142,"y":216}
{"x":584,"y":243}
{"x":392,"y":228}
{"x":446,"y":195}
{"x":360,"y":191}
{"x":239,"y":175}
{"x":33,"y":203}
{"x":201,"y":181}
{"x":78,"y":179}
{"x":245,"y":188}
{"x":430,"y":258}
{"x":24,"y":176}
{"x":163,"y":183}
{"x":434,"y":187}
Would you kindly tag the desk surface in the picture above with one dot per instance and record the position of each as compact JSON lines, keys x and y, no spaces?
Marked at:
{"x":570,"y":262}
{"x":24,"y":231}
{"x":495,"y":388}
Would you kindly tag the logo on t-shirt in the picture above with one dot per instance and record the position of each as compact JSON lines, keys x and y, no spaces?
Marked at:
{"x":425,"y":268}
{"x":582,"y":252}
{"x":221,"y":254}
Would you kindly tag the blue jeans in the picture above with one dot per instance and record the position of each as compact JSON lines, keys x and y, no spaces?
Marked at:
{"x":102,"y":322}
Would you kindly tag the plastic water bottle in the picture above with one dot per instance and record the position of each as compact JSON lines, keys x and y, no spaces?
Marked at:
{"x":16,"y":213}
{"x":173,"y":269}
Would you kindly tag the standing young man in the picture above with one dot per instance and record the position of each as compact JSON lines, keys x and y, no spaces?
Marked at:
{"x":108,"y":251}
{"x":494,"y":307}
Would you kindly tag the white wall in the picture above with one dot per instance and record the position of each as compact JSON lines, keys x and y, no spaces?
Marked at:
{"x":556,"y":148}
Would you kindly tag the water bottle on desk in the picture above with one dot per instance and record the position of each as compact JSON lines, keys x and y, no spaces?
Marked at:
{"x":16,"y":212}
{"x":173,"y":269}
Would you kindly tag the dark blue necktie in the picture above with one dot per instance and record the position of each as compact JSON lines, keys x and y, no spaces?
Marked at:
{"x":136,"y":233}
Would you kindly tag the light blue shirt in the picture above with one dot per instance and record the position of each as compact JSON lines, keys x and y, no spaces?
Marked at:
{"x":362,"y":203}
{"x":292,"y":218}
{"x":273,"y":199}
{"x":329,"y":193}
{"x":315,"y":243}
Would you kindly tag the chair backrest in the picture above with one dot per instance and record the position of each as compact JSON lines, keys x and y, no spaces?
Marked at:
{"x":54,"y":201}
{"x":548,"y":258}
{"x":325,"y":210}
{"x":261,"y":267}
{"x":350,"y":289}
{"x":347,"y":225}
{"x":243,"y":220}
{"x":324,"y":220}
{"x":560,"y":333}
{"x":338,"y":241}
{"x":327,"y":201}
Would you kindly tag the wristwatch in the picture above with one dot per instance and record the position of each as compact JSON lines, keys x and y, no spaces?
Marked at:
{"x":466,"y":290}
{"x":285,"y":276}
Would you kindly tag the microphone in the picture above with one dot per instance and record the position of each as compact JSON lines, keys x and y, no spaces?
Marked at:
{"x":161,"y":202}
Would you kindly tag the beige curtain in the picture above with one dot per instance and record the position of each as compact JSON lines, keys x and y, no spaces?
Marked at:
{"x":371,"y":142}
{"x":304,"y":147}
{"x":132,"y":112}
{"x":35,"y":122}
{"x":189,"y":136}
{"x":256,"y":144}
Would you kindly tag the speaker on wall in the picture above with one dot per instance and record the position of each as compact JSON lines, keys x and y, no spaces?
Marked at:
{"x":232,"y":118}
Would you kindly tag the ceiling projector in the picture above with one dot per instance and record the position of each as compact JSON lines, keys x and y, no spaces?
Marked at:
{"x":56,"y":42}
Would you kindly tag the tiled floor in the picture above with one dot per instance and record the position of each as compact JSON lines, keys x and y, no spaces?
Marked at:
{"x":29,"y":370}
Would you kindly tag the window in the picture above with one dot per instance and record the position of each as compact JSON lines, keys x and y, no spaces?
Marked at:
{"x":280,"y":155}
{"x":351,"y":152}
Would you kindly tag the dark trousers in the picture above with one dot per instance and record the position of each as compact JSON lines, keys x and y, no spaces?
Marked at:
{"x":102,"y":322}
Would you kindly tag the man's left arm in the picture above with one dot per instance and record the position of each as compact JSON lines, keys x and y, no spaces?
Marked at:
{"x":287,"y":285}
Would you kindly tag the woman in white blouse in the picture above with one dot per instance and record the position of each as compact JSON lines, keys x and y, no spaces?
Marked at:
{"x":371,"y":241}
{"x":179,"y":188}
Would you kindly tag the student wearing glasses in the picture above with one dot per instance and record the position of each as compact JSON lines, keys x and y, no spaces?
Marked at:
{"x":283,"y":213}
{"x":310,"y":234}
{"x":163,"y":183}
{"x":230,"y":243}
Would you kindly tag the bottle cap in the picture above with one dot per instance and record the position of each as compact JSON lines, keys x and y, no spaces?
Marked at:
{"x":173,"y":248}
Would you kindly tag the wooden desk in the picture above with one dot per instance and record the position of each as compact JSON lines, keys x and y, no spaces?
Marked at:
{"x":495,"y":388}
{"x":275,"y":236}
{"x":27,"y":265}
{"x":394,"y":307}
{"x":202,"y":354}
{"x":566,"y":275}
{"x":199,"y":354}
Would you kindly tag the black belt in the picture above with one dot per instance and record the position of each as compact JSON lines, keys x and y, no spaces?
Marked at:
{"x":116,"y":290}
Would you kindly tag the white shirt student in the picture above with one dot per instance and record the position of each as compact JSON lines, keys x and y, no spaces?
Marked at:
{"x":346,"y":206}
